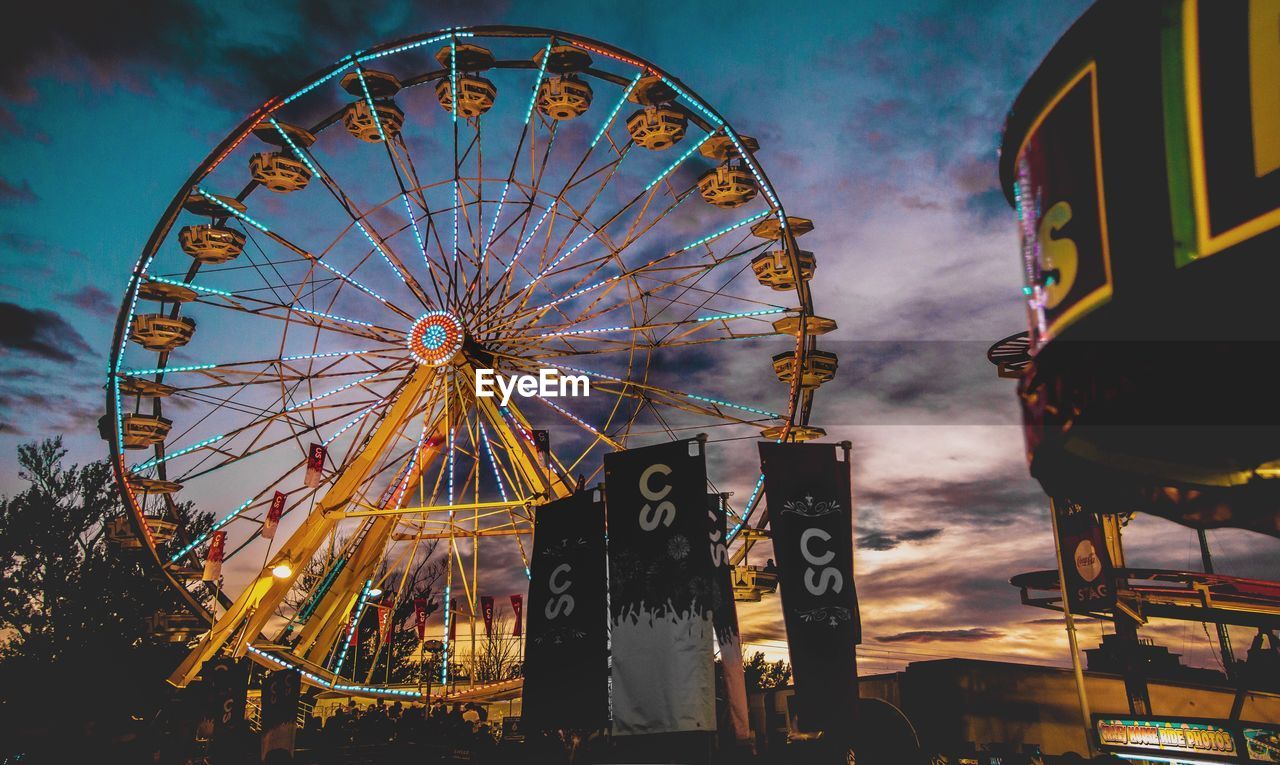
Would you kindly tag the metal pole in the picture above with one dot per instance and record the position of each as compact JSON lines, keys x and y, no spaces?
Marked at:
{"x":1224,"y":637}
{"x":1085,"y":714}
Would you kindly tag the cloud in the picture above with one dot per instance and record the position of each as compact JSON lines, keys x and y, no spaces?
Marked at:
{"x":40,"y":333}
{"x":19,"y":194}
{"x":881,"y":541}
{"x":92,"y":300}
{"x":971,"y":635}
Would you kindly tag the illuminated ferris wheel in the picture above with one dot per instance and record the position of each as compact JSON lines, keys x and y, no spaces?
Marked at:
{"x":307,"y":323}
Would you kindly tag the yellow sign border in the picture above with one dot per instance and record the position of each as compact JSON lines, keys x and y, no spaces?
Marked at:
{"x":1205,"y":243}
{"x":1102,"y":293}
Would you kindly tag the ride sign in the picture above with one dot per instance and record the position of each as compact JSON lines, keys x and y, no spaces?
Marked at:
{"x":1086,"y":563}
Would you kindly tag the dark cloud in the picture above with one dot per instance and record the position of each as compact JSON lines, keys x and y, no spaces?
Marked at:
{"x":93,"y":300}
{"x":971,"y":635}
{"x":209,"y":46}
{"x":40,"y":333}
{"x":881,"y":541}
{"x":23,"y":244}
{"x":16,"y":194}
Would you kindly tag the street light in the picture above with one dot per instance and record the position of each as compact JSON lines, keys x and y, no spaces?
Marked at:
{"x":376,"y":592}
{"x":282,"y":570}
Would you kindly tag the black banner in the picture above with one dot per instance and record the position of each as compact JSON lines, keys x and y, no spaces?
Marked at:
{"x":566,"y":683}
{"x":661,"y":578}
{"x":811,"y":522}
{"x":725,"y":621}
{"x":1086,"y":563}
{"x":228,"y":683}
{"x":280,"y":711}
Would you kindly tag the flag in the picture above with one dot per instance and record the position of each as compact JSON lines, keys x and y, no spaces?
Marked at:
{"x":384,"y":619}
{"x":811,"y":524}
{"x":453,"y":619}
{"x":213,"y":563}
{"x":517,"y":607}
{"x":420,"y":617}
{"x":725,"y":621}
{"x":486,"y":608}
{"x":273,"y":516}
{"x":280,"y":711}
{"x":660,"y":580}
{"x":316,"y":454}
{"x":1086,"y":562}
{"x":542,"y":442}
{"x":228,"y":683}
{"x":566,"y":676}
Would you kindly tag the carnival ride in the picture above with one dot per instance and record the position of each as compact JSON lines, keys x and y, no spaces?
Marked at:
{"x":309,"y":332}
{"x":1142,"y":161}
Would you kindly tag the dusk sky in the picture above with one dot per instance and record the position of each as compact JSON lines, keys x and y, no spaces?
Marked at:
{"x":878,"y":120}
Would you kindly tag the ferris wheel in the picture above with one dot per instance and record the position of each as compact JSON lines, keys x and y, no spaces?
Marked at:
{"x":307,"y":323}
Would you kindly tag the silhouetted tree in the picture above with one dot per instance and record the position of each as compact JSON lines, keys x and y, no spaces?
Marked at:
{"x":75,"y":642}
{"x":762,"y":675}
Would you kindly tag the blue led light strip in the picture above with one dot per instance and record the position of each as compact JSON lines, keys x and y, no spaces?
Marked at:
{"x":410,"y":46}
{"x":225,"y":520}
{"x":165,"y":370}
{"x":339,"y":389}
{"x":585,"y":331}
{"x":572,"y":416}
{"x":744,"y":314}
{"x":618,"y":107}
{"x":355,"y":624}
{"x":723,"y":231}
{"x":300,"y":309}
{"x":677,"y":163}
{"x":189,"y":286}
{"x":233,"y":210}
{"x":359,"y":416}
{"x":156,"y":461}
{"x":747,"y":509}
{"x":693,"y":396}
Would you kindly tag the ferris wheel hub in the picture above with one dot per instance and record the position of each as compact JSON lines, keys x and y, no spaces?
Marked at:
{"x":436,"y":338}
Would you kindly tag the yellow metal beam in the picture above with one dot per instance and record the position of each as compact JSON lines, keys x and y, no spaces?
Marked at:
{"x":257,"y":603}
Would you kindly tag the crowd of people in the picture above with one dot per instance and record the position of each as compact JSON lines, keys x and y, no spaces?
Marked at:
{"x":450,"y":726}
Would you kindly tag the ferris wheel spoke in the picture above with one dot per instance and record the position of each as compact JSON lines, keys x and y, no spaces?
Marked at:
{"x":358,"y":218}
{"x":317,"y":259}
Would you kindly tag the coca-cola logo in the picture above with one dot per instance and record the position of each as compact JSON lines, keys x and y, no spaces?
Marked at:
{"x":1087,"y":561}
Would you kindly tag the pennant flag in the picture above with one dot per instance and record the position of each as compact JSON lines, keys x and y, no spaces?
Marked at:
{"x":453,"y":619}
{"x":384,"y":619}
{"x":542,"y":442}
{"x":213,"y":563}
{"x":566,"y":676}
{"x":273,"y":516}
{"x":420,"y":617}
{"x":280,"y":712}
{"x":517,"y":607}
{"x":725,"y":621}
{"x":486,"y":609}
{"x":660,"y":577}
{"x":1086,"y":562}
{"x":316,"y":454}
{"x":811,"y":523}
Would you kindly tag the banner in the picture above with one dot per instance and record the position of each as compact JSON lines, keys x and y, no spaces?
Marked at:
{"x":213,"y":562}
{"x":660,"y":581}
{"x":566,"y":681}
{"x":280,"y":712}
{"x":517,"y":607}
{"x":486,"y":608}
{"x":273,"y":516}
{"x":811,"y":522}
{"x":420,"y":617}
{"x":316,"y":454}
{"x":228,"y":683}
{"x":385,"y":610}
{"x":1085,"y":560}
{"x":725,"y":621}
